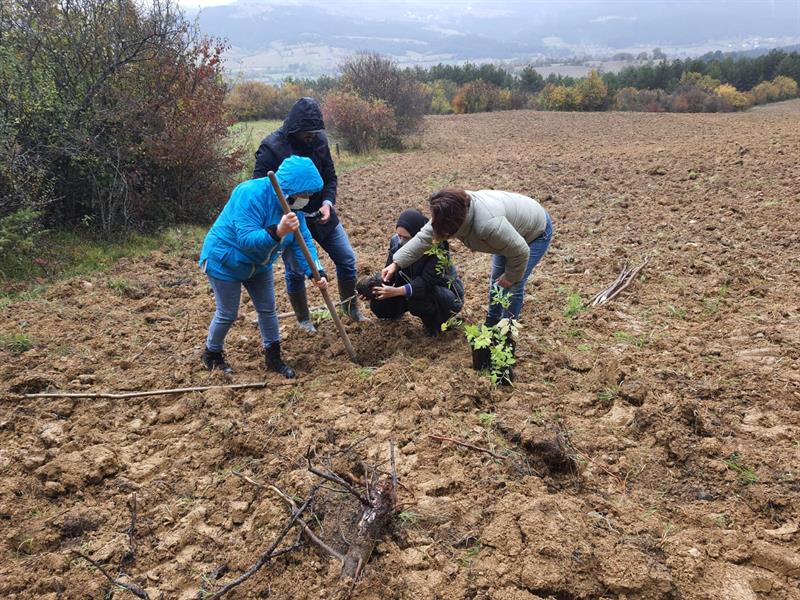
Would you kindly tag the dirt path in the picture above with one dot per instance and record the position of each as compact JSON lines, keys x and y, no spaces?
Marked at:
{"x":680,"y":398}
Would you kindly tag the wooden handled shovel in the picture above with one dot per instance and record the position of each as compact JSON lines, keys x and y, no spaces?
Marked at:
{"x":315,"y":273}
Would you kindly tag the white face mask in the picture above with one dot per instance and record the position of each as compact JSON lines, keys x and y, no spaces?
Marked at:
{"x":299,"y":202}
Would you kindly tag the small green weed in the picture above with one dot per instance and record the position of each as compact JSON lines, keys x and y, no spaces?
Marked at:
{"x":408,"y":518}
{"x":669,"y":531}
{"x":574,"y":306}
{"x":365,"y":373}
{"x":634,"y":340}
{"x":470,"y":553}
{"x":122,"y":286}
{"x":675,"y":312}
{"x":606,"y":396}
{"x":574,"y":333}
{"x":16,"y":343}
{"x":434,"y":184}
{"x":746,"y":474}
{"x":320,"y":315}
{"x":584,"y":347}
{"x":712,"y":303}
{"x":487,"y":419}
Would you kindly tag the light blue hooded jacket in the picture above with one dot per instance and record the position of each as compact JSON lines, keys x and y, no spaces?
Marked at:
{"x":238,"y":245}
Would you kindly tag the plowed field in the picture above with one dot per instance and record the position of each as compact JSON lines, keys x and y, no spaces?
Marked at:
{"x":650,"y":448}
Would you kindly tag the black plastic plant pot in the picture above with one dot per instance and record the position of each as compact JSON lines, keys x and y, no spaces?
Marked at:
{"x":481,"y":359}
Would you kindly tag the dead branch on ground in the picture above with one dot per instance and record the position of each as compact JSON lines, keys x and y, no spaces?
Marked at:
{"x":129,"y":557}
{"x":377,"y":508}
{"x":623,"y":280}
{"x":131,"y":587}
{"x":463,"y":444}
{"x":270,"y":553}
{"x":121,"y":395}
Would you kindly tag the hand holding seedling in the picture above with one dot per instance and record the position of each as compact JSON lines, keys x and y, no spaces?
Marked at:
{"x":388,"y":291}
{"x":389,"y":272}
{"x":503,"y":282}
{"x":288,"y":223}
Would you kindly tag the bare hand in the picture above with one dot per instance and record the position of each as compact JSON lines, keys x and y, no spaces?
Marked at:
{"x":388,"y":291}
{"x":388,"y":272}
{"x":503,"y":282}
{"x":321,"y":283}
{"x":288,"y":224}
{"x":324,"y":214}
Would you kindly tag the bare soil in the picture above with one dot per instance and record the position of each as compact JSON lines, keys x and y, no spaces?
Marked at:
{"x":651,"y":445}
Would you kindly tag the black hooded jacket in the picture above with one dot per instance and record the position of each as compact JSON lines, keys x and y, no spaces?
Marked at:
{"x":305,"y":115}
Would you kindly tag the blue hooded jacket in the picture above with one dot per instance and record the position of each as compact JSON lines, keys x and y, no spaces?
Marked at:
{"x":238,"y":245}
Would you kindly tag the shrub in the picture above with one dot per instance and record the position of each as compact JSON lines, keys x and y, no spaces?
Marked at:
{"x":704,"y":82}
{"x":112,"y":115}
{"x":642,"y":100}
{"x":372,"y":76}
{"x":360,"y":124}
{"x":441,"y":93}
{"x":694,"y":99}
{"x":18,"y":235}
{"x":764,"y":92}
{"x":560,"y":97}
{"x":250,"y":100}
{"x":732,"y":98}
{"x":477,"y":96}
{"x":786,"y":87}
{"x":593,"y":92}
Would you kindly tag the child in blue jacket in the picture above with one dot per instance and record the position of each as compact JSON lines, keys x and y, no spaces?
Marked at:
{"x":250,"y":233}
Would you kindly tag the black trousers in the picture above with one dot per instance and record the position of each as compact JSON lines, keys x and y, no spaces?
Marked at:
{"x":434,"y":307}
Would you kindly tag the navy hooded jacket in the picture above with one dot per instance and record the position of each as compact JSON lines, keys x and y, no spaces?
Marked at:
{"x":239,"y":244}
{"x":305,"y":115}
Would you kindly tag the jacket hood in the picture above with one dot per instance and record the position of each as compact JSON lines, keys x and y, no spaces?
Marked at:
{"x":305,"y":115}
{"x":298,"y":175}
{"x":411,"y":220}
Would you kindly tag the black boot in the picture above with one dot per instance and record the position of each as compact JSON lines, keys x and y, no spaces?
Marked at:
{"x":272,"y":358}
{"x":347,"y":289}
{"x":216,"y":360}
{"x":299,"y":302}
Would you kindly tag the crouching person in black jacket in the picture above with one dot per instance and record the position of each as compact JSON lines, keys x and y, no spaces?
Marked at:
{"x":429,"y":288}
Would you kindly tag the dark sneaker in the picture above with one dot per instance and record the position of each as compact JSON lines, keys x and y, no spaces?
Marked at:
{"x":274,"y":362}
{"x":216,"y":360}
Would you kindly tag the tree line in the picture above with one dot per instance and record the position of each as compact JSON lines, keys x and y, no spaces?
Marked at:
{"x":374,"y":102}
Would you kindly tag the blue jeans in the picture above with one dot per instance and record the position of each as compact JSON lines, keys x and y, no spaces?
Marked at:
{"x":538,"y":248}
{"x":227,"y":293}
{"x":338,"y":247}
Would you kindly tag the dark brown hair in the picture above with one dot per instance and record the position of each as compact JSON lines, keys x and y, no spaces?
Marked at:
{"x":448,"y":211}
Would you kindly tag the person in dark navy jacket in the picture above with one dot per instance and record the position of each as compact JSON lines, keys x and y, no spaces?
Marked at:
{"x":428,"y":288}
{"x":240,"y":248}
{"x":303,"y":134}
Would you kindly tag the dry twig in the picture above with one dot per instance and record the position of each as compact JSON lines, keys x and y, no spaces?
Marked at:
{"x":269,"y":554}
{"x":443,"y":438}
{"x":121,"y":395}
{"x":332,"y":477}
{"x":131,"y":587}
{"x":623,"y":280}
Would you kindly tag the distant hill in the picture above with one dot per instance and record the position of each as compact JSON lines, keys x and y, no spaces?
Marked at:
{"x":754,"y":53}
{"x":309,"y":37}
